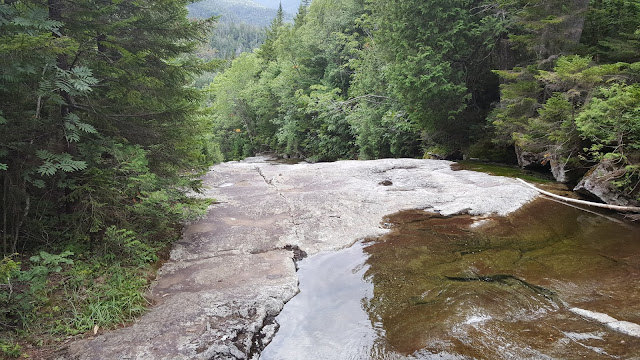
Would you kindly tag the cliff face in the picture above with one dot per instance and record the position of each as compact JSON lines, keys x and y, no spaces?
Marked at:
{"x":550,"y":28}
{"x":575,"y":22}
{"x":562,"y":26}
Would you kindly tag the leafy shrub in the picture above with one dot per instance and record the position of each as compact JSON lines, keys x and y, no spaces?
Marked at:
{"x":10,"y":349}
{"x":124,"y":245}
{"x":22,"y":292}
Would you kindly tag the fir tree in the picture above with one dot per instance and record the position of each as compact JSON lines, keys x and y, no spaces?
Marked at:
{"x":100,"y":86}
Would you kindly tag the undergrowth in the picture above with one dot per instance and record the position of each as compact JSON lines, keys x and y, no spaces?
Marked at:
{"x":77,"y":289}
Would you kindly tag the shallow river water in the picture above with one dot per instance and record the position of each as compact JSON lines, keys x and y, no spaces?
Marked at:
{"x":547,"y":282}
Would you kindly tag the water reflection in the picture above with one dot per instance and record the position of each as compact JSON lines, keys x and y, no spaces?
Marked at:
{"x":470,"y":288}
{"x":326,"y":319}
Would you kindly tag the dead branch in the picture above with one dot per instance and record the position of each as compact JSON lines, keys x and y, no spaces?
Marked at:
{"x":583,"y":202}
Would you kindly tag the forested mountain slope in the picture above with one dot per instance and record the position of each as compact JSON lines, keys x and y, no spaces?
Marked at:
{"x":289,"y":6}
{"x":247,"y":11}
{"x":241,"y":24}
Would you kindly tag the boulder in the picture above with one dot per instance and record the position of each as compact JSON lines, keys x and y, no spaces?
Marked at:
{"x":597,"y":183}
{"x":559,"y":170}
{"x":549,"y":160}
{"x":529,"y":159}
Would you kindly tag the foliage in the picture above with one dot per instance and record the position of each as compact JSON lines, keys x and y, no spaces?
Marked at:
{"x":97,"y":131}
{"x":56,"y":295}
{"x":578,"y":111}
{"x":23,"y":292}
{"x":103,"y":139}
{"x":556,"y":105}
{"x":540,"y":29}
{"x":612,"y":31}
{"x":286,"y":96}
{"x":611,"y":120}
{"x":611,"y":123}
{"x":123,"y":244}
{"x":381,"y":126}
{"x":438,"y":69}
{"x":10,"y":349}
{"x":360,"y":79}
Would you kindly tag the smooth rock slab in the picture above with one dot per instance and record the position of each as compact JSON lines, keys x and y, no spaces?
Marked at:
{"x":229,"y":275}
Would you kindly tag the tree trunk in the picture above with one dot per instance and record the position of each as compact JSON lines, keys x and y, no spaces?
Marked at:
{"x":56,"y":8}
{"x":5,"y":210}
{"x":583,"y":202}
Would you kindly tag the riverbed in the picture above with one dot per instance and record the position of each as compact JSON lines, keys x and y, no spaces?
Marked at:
{"x":231,"y":273}
{"x":544,"y":282}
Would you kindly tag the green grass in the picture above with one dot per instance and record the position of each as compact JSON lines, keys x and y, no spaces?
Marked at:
{"x":503,"y":170}
{"x":71,"y":295}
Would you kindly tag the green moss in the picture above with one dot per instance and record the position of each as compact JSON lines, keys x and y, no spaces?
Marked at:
{"x":503,"y":170}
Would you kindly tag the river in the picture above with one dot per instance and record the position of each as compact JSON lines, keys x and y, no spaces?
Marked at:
{"x":537,"y":284}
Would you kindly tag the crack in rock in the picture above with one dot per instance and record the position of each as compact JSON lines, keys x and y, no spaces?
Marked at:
{"x":290,"y":207}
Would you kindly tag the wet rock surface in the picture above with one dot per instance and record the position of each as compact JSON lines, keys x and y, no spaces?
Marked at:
{"x":546,"y":282}
{"x":232,"y":271}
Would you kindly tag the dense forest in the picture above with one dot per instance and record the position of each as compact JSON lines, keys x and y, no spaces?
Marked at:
{"x":241,"y":25}
{"x":550,"y":84}
{"x":102,"y":139}
{"x":105,"y":131}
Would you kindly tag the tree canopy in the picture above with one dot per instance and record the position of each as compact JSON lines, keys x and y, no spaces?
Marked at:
{"x":373,"y":79}
{"x":102,"y":134}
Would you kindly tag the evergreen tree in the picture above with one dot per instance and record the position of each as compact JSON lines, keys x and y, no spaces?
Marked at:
{"x":302,"y":12}
{"x":612,"y":31}
{"x":279,"y":20}
{"x":111,"y":123}
{"x":437,"y":53}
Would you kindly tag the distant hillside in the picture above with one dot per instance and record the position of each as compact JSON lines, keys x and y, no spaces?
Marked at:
{"x":231,"y":39}
{"x":235,"y":11}
{"x":290,"y":6}
{"x":242,"y":23}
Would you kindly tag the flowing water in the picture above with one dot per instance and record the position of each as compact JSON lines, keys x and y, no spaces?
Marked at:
{"x":534,"y":285}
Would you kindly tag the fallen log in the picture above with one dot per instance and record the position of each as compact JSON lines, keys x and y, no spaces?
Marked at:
{"x":583,"y":208}
{"x":583,"y":202}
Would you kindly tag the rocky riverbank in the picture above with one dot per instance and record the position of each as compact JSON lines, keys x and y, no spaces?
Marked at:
{"x":232,"y":271}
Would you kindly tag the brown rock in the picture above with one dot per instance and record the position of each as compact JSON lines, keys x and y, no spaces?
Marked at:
{"x":597,"y":183}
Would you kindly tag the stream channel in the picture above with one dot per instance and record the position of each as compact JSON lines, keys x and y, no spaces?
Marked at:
{"x":534,"y":285}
